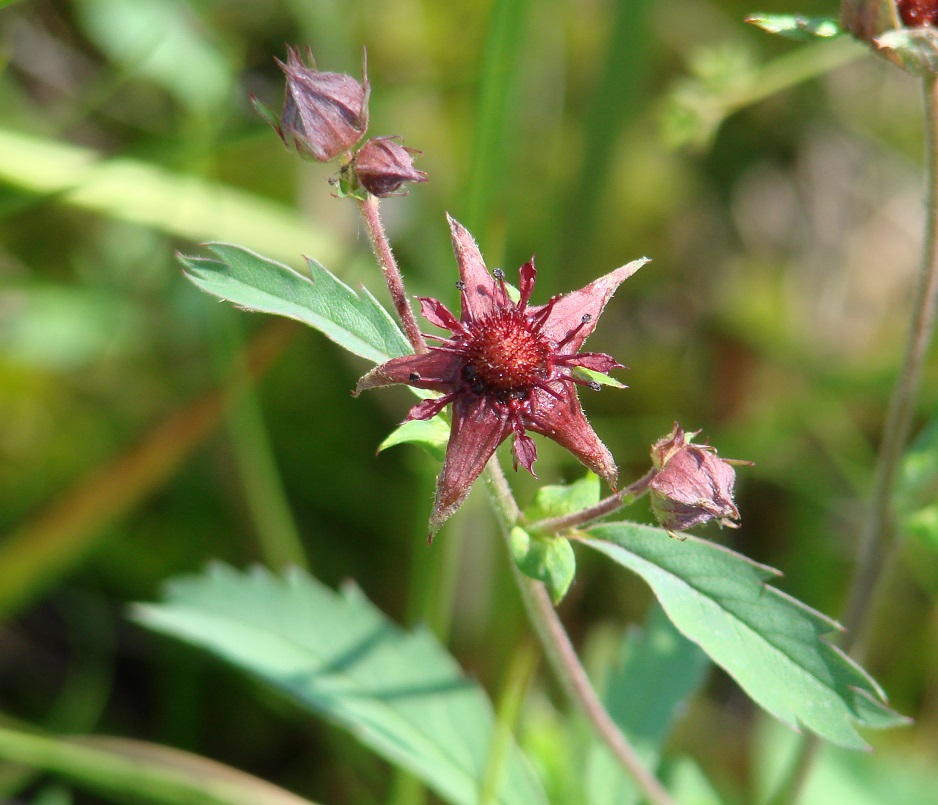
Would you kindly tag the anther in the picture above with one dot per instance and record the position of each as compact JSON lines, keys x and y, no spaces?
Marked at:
{"x":595,"y":385}
{"x":498,"y":274}
{"x":460,"y":286}
{"x":413,"y":377}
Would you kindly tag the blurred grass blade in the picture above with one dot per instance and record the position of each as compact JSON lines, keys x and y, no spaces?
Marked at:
{"x":769,"y":643}
{"x":141,"y":772}
{"x":656,"y":671}
{"x":35,"y":555}
{"x":174,"y":203}
{"x":353,"y":321}
{"x":497,"y":115}
{"x":334,"y":654}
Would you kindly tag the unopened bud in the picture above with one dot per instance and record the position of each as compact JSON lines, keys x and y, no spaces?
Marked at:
{"x":691,"y":485}
{"x":383,"y":165}
{"x":324,"y":114}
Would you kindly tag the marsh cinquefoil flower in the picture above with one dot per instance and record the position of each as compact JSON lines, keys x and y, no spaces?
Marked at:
{"x":508,"y":368}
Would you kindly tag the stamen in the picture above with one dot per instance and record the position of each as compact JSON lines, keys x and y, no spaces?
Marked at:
{"x":586,"y":319}
{"x":414,"y":377}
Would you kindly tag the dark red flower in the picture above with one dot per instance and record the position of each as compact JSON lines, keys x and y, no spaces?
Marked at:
{"x":507,"y":368}
{"x":324,"y":114}
{"x":383,"y":165}
{"x":692,"y":485}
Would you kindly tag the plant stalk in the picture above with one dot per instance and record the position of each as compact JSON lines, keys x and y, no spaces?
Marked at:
{"x":878,"y":538}
{"x":879,"y":530}
{"x":392,"y":273}
{"x":562,"y":656}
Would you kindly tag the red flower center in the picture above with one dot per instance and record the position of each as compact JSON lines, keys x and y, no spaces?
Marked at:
{"x":918,"y":13}
{"x":505,"y":355}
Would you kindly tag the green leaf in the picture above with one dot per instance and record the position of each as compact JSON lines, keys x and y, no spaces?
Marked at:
{"x":769,"y":643}
{"x":656,"y":671}
{"x":915,"y":50}
{"x":136,"y":771}
{"x":599,"y":377}
{"x":354,"y":321}
{"x":797,"y":27}
{"x":547,"y":559}
{"x":917,"y":489}
{"x":557,"y":501}
{"x":334,"y":654}
{"x":432,"y":434}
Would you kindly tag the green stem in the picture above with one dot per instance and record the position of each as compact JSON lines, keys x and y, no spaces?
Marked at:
{"x":625,"y":497}
{"x":562,"y":656}
{"x":878,"y":537}
{"x":392,"y":273}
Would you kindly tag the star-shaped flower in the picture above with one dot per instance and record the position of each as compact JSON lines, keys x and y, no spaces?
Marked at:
{"x":507,"y":368}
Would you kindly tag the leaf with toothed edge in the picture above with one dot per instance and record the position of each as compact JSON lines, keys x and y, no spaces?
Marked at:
{"x":770,"y":643}
{"x":334,"y":654}
{"x":352,"y":320}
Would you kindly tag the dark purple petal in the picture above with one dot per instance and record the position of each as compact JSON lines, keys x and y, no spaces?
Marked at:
{"x":476,"y":432}
{"x":564,"y":421}
{"x":427,"y":409}
{"x":435,"y":312}
{"x":525,"y":452}
{"x":569,"y":310}
{"x":481,"y":294}
{"x":526,"y":286}
{"x":434,"y":370}
{"x":595,"y":361}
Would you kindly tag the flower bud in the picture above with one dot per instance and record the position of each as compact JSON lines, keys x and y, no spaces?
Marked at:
{"x":324,"y":114}
{"x":691,"y":485}
{"x":383,"y":165}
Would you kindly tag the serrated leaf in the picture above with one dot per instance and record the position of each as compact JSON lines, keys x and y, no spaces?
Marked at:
{"x":432,"y":434}
{"x":352,"y":320}
{"x":797,"y":27}
{"x":334,"y":654}
{"x":548,"y":559}
{"x":769,"y":643}
{"x":557,"y":501}
{"x":915,"y":50}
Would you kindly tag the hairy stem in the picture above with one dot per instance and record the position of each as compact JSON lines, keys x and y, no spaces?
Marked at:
{"x":554,"y":525}
{"x":562,"y":656}
{"x":879,"y":529}
{"x":392,"y":273}
{"x":880,"y":524}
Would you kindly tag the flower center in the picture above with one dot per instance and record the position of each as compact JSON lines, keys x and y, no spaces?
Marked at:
{"x":504,"y":354}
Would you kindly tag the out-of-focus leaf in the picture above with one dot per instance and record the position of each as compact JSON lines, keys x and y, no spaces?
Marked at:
{"x":131,"y":190}
{"x":39,"y":551}
{"x":557,"y":501}
{"x":917,"y":489}
{"x":62,"y":327}
{"x":334,"y":654}
{"x":915,"y":50}
{"x":769,"y":643}
{"x":432,"y":434}
{"x":163,"y":40}
{"x":353,"y":321}
{"x":797,"y":27}
{"x":141,"y":772}
{"x":657,"y":670}
{"x":547,"y":559}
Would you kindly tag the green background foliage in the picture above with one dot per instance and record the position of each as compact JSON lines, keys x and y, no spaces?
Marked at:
{"x":784,"y":234}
